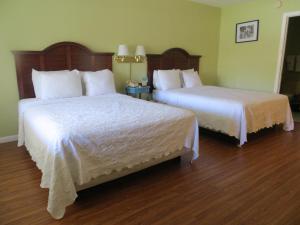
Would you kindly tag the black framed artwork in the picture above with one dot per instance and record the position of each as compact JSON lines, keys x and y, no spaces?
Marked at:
{"x":247,"y":31}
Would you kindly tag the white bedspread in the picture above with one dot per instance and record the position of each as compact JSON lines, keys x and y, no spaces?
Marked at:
{"x":231,"y":111}
{"x":75,"y":140}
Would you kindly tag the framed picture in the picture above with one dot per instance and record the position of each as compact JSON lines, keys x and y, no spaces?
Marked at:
{"x":247,"y":31}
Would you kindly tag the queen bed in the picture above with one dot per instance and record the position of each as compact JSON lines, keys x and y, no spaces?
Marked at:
{"x":82,"y":141}
{"x":231,"y":111}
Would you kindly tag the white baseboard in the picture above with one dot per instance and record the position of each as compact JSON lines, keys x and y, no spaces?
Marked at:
{"x":8,"y":139}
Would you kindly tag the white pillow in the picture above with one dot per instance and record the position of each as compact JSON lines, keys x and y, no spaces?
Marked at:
{"x":169,"y":79}
{"x":60,"y":85}
{"x":181,"y":76}
{"x":191,"y":79}
{"x":189,"y":70}
{"x":99,"y":82}
{"x":36,"y":80}
{"x":156,"y":83}
{"x":156,"y":80}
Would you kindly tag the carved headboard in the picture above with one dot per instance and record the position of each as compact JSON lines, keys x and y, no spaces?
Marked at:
{"x":174,"y":58}
{"x":59,"y":56}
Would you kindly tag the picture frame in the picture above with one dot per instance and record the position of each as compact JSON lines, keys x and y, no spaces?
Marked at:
{"x":247,"y":31}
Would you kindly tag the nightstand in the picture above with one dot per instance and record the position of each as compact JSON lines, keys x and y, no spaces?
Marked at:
{"x":138,"y":91}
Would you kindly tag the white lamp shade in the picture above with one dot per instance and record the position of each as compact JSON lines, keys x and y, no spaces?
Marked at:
{"x":140,"y":50}
{"x":123,"y":50}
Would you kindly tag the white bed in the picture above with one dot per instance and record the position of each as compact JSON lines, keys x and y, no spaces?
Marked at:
{"x":83,"y":141}
{"x":231,"y":111}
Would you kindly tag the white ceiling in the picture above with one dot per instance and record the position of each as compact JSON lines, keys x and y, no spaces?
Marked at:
{"x":220,"y":3}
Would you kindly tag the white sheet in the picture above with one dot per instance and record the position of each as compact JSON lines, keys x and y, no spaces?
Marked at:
{"x":75,"y":140}
{"x":231,"y":111}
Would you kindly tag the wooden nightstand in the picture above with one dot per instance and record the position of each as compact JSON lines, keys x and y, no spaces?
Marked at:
{"x":138,"y":91}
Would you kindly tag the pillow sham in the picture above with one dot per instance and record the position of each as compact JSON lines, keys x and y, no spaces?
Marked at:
{"x":65,"y":84}
{"x":156,"y":80}
{"x":187,"y":71}
{"x":36,"y":80}
{"x":99,"y":82}
{"x":169,"y":79}
{"x":191,"y":79}
{"x":181,"y":75}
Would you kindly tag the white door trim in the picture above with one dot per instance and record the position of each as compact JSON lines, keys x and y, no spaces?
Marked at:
{"x":284,"y":29}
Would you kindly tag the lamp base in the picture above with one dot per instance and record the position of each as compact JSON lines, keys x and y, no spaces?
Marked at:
{"x":129,"y":59}
{"x":132,"y":83}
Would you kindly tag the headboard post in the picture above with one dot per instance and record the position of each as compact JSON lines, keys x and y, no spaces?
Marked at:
{"x":68,"y":54}
{"x":174,"y":58}
{"x":59,"y":56}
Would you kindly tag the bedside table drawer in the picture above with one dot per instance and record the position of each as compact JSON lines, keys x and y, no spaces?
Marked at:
{"x":137,"y":90}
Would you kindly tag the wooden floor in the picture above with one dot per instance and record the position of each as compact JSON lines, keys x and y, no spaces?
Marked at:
{"x":258,"y":184}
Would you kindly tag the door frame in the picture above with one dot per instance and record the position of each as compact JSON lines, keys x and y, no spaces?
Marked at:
{"x":283,"y":39}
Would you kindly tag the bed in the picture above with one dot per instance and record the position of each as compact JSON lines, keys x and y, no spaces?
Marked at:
{"x":230,"y":111}
{"x":84,"y":141}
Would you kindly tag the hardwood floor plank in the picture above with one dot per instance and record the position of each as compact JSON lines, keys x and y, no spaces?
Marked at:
{"x":257,"y":184}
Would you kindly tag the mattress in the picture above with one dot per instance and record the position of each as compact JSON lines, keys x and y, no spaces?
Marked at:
{"x":231,"y":111}
{"x":76,"y":140}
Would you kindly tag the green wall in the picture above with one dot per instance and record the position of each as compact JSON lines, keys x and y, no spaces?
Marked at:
{"x":157,"y":24}
{"x":101,"y":25}
{"x":251,"y":65}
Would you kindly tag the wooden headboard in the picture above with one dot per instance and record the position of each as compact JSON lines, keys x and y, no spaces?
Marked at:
{"x":174,"y":58}
{"x":59,"y":56}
